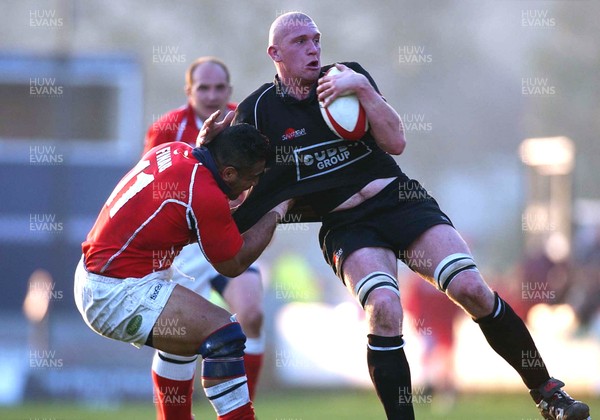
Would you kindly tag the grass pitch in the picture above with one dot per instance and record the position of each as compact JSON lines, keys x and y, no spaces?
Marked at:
{"x":307,"y":405}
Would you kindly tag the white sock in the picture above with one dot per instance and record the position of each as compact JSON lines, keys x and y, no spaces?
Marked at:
{"x":255,"y":345}
{"x":177,"y":368}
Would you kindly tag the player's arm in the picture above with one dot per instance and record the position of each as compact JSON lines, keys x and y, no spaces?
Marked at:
{"x":384,"y":121}
{"x":255,"y":240}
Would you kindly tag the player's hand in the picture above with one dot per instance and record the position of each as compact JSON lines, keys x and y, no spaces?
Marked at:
{"x":212,"y":126}
{"x":282,"y":208}
{"x":344,"y":83}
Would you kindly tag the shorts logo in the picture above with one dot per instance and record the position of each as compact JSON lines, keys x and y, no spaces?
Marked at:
{"x":329,"y":156}
{"x":134,"y":325}
{"x":336,"y":256}
{"x":154,"y":294}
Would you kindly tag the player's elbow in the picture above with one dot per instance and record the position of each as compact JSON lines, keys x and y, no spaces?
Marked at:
{"x":397,"y":145}
{"x":232,"y":272}
{"x":230,"y":268}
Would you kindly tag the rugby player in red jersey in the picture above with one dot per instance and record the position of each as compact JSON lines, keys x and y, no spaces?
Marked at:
{"x":123,"y":286}
{"x":208,"y":89}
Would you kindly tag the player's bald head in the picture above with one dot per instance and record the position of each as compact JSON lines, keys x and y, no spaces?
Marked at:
{"x":284,"y":23}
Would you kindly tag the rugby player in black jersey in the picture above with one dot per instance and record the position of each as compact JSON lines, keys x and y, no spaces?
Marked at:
{"x":372,"y":214}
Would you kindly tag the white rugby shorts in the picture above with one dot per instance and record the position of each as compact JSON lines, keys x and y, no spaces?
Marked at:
{"x":122,"y":309}
{"x":126,"y":310}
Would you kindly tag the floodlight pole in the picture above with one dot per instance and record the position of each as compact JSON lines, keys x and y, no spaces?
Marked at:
{"x":548,"y":207}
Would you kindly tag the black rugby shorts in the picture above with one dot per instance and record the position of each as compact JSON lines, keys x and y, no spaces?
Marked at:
{"x":393,"y":219}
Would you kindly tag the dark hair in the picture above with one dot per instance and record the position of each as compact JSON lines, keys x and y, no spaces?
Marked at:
{"x":240,"y":146}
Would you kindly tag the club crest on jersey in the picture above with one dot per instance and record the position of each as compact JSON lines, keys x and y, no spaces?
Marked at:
{"x":329,"y":156}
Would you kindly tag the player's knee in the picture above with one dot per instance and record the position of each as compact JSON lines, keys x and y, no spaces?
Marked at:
{"x":377,"y":286}
{"x":226,"y":341}
{"x":470,"y":290}
{"x":379,"y":295}
{"x":450,"y":269}
{"x":223,"y":352}
{"x":383,"y":308}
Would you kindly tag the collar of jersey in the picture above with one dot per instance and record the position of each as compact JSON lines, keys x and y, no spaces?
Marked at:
{"x":280,"y":90}
{"x":205,"y":158}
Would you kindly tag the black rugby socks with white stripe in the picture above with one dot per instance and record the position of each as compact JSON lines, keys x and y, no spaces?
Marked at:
{"x":390,"y":374}
{"x":509,"y":337}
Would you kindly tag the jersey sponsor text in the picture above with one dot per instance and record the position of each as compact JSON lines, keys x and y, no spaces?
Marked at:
{"x":328,"y":156}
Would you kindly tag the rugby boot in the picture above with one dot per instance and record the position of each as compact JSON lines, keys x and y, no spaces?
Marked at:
{"x":556,"y":404}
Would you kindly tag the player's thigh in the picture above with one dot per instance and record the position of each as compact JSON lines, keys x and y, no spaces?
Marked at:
{"x":186,"y":321}
{"x":468,"y":287}
{"x":365,"y":261}
{"x":245,"y":292}
{"x":431,"y":247}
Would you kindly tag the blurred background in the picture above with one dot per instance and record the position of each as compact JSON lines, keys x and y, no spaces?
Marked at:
{"x":501,"y":105}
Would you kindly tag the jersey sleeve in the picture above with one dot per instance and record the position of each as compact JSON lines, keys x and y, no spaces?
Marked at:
{"x":218,"y":234}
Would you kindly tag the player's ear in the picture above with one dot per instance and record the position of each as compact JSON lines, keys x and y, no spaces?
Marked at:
{"x":229,"y":173}
{"x":273,"y":52}
{"x":188,"y":90}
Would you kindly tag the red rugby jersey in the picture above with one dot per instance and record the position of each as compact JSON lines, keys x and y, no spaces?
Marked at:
{"x":154,"y":211}
{"x":177,"y":125}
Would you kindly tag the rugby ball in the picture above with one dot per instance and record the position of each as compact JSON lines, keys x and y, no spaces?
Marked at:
{"x":345,"y":116}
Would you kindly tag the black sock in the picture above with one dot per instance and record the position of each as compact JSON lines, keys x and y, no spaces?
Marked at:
{"x":390,"y":374}
{"x":508,"y":336}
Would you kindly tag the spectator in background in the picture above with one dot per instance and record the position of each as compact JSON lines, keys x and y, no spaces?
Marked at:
{"x":542,"y":280}
{"x":208,"y":89}
{"x":585,"y":296}
{"x":432,"y":316}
